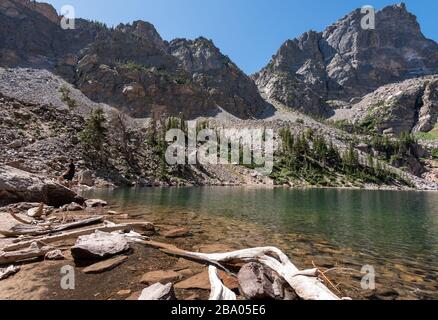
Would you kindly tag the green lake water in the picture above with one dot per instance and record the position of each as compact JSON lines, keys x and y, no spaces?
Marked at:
{"x":390,"y":228}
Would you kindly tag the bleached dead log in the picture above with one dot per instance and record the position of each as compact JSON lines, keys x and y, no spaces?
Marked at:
{"x":144,"y":226}
{"x":218,"y":290}
{"x":34,"y":251}
{"x":26,"y":230}
{"x":305,"y":283}
{"x":7,"y":272}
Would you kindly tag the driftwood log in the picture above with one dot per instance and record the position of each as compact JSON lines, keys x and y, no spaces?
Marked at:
{"x":144,"y":226}
{"x":28,"y":230}
{"x":305,"y":283}
{"x":34,"y":251}
{"x":218,"y":290}
{"x":7,"y":272}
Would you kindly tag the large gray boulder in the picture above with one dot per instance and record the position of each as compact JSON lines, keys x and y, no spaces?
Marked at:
{"x":258,"y":282}
{"x":98,"y":246}
{"x":21,"y":186}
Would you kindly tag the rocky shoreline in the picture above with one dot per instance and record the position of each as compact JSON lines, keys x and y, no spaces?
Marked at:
{"x":130,"y":269}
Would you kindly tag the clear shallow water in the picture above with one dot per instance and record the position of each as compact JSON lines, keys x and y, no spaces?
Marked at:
{"x":380,"y":227}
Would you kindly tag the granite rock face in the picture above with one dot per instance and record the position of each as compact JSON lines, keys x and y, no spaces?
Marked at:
{"x":31,"y":36}
{"x":129,"y":67}
{"x":346,"y":61}
{"x":132,"y":68}
{"x":408,"y":106}
{"x":20,"y":186}
{"x":227,"y":85}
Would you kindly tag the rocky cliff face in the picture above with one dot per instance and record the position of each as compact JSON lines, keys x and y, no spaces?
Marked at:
{"x":130,"y":66}
{"x":30,"y":36}
{"x":227,"y":85}
{"x":346,"y":62}
{"x":408,"y":106}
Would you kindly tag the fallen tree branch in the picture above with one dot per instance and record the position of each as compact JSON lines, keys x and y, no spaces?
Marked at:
{"x":145,"y":226}
{"x":173,"y":250}
{"x":13,"y":215}
{"x":34,"y":251}
{"x":305,"y":283}
{"x":26,"y":230}
{"x":218,"y":290}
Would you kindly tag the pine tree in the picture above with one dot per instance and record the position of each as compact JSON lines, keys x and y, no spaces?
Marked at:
{"x":94,"y":133}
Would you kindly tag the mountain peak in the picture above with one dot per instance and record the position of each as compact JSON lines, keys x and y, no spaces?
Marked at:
{"x":347,"y":61}
{"x":12,"y":8}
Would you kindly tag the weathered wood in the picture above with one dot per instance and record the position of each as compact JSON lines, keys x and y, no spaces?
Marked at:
{"x":7,"y":272}
{"x":34,"y":251}
{"x":26,"y":230}
{"x":305,"y":283}
{"x":13,"y":215}
{"x":84,"y":232}
{"x":218,"y":290}
{"x":173,"y":250}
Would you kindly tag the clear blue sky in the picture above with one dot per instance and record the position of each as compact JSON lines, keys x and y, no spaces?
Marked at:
{"x":248,"y":31}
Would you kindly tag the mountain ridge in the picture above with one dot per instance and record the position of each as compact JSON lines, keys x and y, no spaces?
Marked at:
{"x":345,"y":62}
{"x":132,"y":68}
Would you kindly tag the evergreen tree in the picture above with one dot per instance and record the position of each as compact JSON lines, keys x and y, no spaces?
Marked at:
{"x":94,"y":133}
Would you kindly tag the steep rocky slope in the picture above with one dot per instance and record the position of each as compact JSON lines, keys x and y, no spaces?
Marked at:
{"x":408,"y":106}
{"x":346,"y":62}
{"x":129,"y":67}
{"x":31,"y":36}
{"x":40,"y":131}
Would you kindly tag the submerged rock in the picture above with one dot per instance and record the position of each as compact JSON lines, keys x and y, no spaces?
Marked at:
{"x":160,"y":276}
{"x":94,"y":203}
{"x":202,"y":281}
{"x":178,"y":233}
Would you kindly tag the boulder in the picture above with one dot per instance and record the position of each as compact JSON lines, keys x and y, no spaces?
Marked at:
{"x":214,"y":248}
{"x":160,"y":276}
{"x":178,"y":233}
{"x":73,"y":207}
{"x":86,"y":178}
{"x":158,"y":292}
{"x":54,"y":255}
{"x":258,"y":282}
{"x":202,"y":281}
{"x":99,"y":246}
{"x":125,"y":292}
{"x":383,"y":294}
{"x":94,"y":203}
{"x":105,"y":265}
{"x":21,"y":186}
